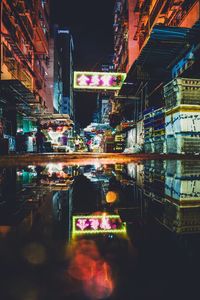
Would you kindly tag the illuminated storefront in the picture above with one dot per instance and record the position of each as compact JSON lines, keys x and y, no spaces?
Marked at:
{"x":56,"y":128}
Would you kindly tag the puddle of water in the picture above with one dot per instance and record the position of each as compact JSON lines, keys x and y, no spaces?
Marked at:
{"x":100,"y":231}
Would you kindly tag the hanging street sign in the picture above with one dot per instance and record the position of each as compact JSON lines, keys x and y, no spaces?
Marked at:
{"x":98,"y":81}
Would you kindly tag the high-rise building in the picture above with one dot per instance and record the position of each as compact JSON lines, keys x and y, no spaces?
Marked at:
{"x":103,"y":104}
{"x":24,"y":52}
{"x":101,"y":115}
{"x":121,"y":35}
{"x":62,"y":53}
{"x":55,"y":72}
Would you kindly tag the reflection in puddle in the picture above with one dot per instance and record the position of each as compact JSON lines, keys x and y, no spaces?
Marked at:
{"x":35,"y":253}
{"x":173,"y":194}
{"x":4,"y":230}
{"x":118,"y":222}
{"x":97,"y":224}
{"x":88,"y":266}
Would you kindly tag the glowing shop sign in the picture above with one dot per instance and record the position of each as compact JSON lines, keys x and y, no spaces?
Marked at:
{"x":98,"y":80}
{"x":98,"y":224}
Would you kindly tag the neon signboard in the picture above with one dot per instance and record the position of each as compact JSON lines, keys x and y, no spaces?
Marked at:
{"x":98,"y":80}
{"x":92,"y":224}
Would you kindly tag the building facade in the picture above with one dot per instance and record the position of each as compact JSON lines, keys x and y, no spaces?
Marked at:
{"x":55,"y":72}
{"x":134,"y":21}
{"x":24,"y":52}
{"x":62,"y":58}
{"x":140,"y":25}
{"x":155,"y":41}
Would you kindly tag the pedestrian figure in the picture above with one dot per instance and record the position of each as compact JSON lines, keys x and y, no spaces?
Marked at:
{"x":1,"y":129}
{"x":88,"y":144}
{"x":20,"y":143}
{"x":77,"y":143}
{"x":39,"y":140}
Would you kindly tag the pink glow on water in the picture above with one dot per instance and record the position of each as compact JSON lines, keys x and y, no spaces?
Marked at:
{"x":101,"y":285}
{"x":88,"y":266}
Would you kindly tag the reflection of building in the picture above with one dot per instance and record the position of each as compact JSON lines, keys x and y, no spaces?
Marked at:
{"x":178,"y":208}
{"x":181,"y":219}
{"x":117,"y":189}
{"x":27,"y":192}
{"x":181,"y":184}
{"x":154,"y":180}
{"x":16,"y":196}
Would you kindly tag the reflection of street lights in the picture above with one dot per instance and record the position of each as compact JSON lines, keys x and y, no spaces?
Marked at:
{"x":51,"y":168}
{"x":97,"y":165}
{"x":111,"y":197}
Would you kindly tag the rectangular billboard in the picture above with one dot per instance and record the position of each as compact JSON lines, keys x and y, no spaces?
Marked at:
{"x":98,"y":80}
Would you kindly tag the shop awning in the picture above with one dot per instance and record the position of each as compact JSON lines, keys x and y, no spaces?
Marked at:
{"x":166,"y":45}
{"x":48,"y":120}
{"x":15,"y":89}
{"x":16,"y":94}
{"x":48,"y":116}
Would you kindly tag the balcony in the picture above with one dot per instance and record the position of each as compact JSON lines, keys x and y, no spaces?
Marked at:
{"x":11,"y":35}
{"x":6,"y":18}
{"x":16,"y":72}
{"x":39,"y":70}
{"x":27,"y":27}
{"x":29,"y":5}
{"x":25,"y":60}
{"x":39,"y":81}
{"x":41,"y":40}
{"x":156,"y":12}
{"x":148,"y":18}
{"x":15,"y":89}
{"x":43,"y":14}
{"x":145,"y":7}
{"x":21,"y":17}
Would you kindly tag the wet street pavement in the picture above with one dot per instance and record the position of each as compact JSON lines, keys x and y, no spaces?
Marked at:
{"x":100,"y":230}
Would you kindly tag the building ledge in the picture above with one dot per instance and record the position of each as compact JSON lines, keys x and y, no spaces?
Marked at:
{"x":166,"y":46}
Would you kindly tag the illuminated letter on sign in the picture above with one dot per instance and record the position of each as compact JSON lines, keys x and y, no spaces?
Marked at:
{"x":83,"y":80}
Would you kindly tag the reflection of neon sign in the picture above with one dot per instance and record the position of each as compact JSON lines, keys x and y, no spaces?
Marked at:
{"x":98,"y":224}
{"x":98,"y":80}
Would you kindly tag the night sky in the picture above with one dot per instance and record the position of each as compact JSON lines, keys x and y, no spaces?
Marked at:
{"x":91,"y":24}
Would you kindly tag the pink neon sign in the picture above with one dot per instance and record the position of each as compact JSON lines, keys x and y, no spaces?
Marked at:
{"x":92,"y":224}
{"x":98,"y":80}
